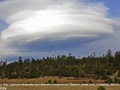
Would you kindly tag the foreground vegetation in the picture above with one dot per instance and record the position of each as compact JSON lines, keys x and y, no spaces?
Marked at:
{"x":105,"y":67}
{"x":64,"y":88}
{"x":46,"y":80}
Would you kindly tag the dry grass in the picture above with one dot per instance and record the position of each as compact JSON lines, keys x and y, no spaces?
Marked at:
{"x":63,"y":88}
{"x":63,"y":80}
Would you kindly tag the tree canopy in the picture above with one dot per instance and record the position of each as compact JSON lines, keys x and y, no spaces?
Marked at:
{"x":63,"y":66}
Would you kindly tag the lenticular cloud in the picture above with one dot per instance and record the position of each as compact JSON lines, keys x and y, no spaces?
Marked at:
{"x":53,"y":22}
{"x":64,"y":19}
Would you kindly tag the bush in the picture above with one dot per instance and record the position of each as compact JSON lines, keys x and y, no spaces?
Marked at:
{"x":109,"y":80}
{"x":116,"y":80}
{"x":49,"y":82}
{"x":96,"y":77}
{"x":90,"y":81}
{"x":104,"y":77}
{"x":55,"y":82}
{"x":119,"y":73}
{"x":101,"y":88}
{"x":13,"y":76}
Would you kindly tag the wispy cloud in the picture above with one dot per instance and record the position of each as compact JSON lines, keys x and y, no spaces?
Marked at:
{"x":38,"y":25}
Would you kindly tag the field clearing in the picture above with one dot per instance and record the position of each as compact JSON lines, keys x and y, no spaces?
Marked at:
{"x":62,"y":88}
{"x":42,"y":80}
{"x":63,"y":80}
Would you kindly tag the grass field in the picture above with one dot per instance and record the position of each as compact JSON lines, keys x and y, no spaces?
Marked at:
{"x":63,"y":88}
{"x":63,"y":80}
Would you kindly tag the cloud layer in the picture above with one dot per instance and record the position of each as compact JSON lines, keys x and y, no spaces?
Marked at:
{"x":40,"y":26}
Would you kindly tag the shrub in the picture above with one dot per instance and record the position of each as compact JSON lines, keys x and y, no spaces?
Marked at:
{"x":55,"y":82}
{"x":109,"y":80}
{"x":49,"y":82}
{"x":101,"y":88}
{"x":96,"y":77}
{"x":119,"y":73}
{"x":90,"y":81}
{"x":116,"y":80}
{"x":104,"y":77}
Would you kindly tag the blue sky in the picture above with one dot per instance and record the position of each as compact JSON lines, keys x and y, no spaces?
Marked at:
{"x":36,"y":28}
{"x":114,"y":6}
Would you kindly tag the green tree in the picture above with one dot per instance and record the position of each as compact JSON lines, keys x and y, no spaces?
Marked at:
{"x":117,"y":60}
{"x":118,"y":73}
{"x":109,"y":56}
{"x":109,"y":80}
{"x":20,"y":61}
{"x":101,"y":88}
{"x":116,"y":80}
{"x":49,"y":82}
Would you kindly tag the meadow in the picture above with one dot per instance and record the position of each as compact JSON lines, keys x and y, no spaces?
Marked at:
{"x":62,"y":88}
{"x":42,"y":80}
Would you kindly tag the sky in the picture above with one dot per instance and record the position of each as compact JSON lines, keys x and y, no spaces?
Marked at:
{"x":37,"y":28}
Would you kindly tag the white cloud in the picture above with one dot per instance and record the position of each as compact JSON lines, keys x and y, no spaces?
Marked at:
{"x":52,"y":22}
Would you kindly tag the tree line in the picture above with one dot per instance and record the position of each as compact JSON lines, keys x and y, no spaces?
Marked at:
{"x":64,"y":66}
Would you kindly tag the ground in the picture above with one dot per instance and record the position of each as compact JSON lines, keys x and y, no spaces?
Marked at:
{"x":63,"y":80}
{"x":63,"y":88}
